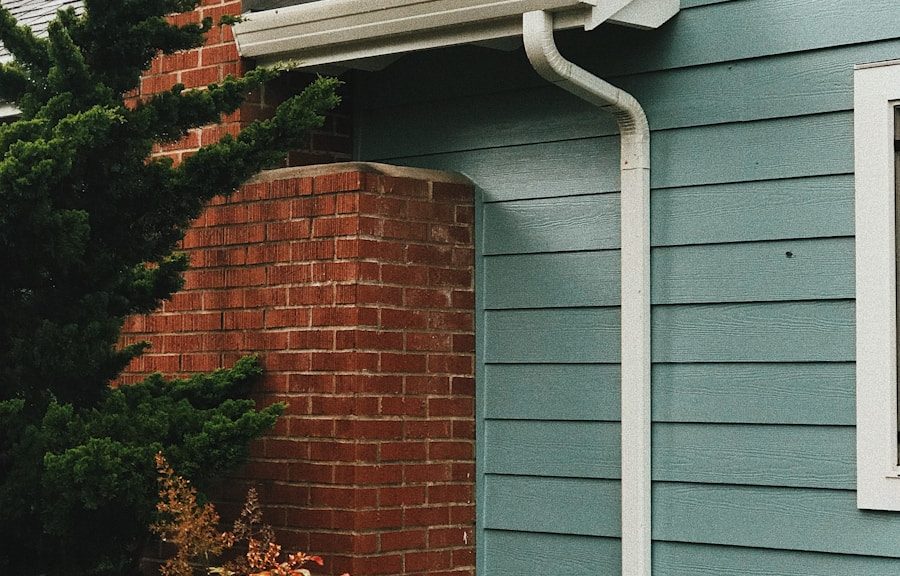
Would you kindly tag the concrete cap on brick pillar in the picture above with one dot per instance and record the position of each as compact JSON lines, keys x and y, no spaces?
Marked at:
{"x":375,"y":168}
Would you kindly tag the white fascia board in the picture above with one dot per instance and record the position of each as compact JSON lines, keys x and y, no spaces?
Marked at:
{"x":335,"y":31}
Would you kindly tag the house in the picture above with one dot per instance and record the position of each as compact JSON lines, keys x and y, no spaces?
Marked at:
{"x":763,"y":424}
{"x":758,"y":346}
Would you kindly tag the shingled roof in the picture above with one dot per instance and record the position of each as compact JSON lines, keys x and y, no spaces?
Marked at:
{"x":36,"y":14}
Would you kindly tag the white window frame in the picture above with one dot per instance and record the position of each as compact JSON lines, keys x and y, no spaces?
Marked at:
{"x":876,"y":95}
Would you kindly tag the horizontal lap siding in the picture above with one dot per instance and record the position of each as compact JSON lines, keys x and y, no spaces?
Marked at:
{"x":685,"y":559}
{"x":752,"y":285}
{"x":516,"y":553}
{"x":709,"y":273}
{"x":744,"y":393}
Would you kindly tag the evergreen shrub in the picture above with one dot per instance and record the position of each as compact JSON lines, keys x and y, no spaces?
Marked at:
{"x":89,"y":223}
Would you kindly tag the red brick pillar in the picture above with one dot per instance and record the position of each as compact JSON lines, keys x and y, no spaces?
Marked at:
{"x":354,"y":283}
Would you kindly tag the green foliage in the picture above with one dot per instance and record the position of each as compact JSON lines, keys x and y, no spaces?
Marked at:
{"x":88,"y":228}
{"x":80,"y":484}
{"x":88,"y":225}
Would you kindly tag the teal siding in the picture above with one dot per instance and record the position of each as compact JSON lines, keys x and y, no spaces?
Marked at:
{"x":517,"y":553}
{"x":551,"y":448}
{"x":755,"y":393}
{"x":680,"y":559}
{"x":750,"y":102}
{"x":551,"y":392}
{"x":552,"y":504}
{"x":701,"y":273}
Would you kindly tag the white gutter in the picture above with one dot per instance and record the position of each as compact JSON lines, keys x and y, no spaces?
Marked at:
{"x":635,"y":210}
{"x":350,"y":31}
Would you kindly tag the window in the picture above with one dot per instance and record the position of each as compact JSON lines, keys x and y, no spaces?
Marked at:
{"x":877,"y":165}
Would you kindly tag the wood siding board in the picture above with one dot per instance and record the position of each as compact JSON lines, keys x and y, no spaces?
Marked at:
{"x":566,"y":335}
{"x":772,"y":517}
{"x":678,"y":559}
{"x":789,"y":393}
{"x":552,"y":224}
{"x":552,"y":280}
{"x":552,"y":448}
{"x":816,"y":394}
{"x":754,"y":272}
{"x":763,"y":332}
{"x":552,"y":505}
{"x":551,"y":391}
{"x":761,"y":271}
{"x":431,"y":71}
{"x":771,"y":332}
{"x":720,"y":213}
{"x":799,"y":456}
{"x":749,"y":211}
{"x":784,"y":331}
{"x":781,"y":148}
{"x":511,"y":553}
{"x":733,"y":454}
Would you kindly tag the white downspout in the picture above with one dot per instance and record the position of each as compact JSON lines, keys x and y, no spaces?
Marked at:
{"x":635,"y":210}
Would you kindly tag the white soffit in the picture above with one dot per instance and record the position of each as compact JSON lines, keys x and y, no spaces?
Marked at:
{"x":344,"y":31}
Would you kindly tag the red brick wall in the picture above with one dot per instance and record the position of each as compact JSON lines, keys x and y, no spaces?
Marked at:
{"x":354,"y":283}
{"x":215,"y":60}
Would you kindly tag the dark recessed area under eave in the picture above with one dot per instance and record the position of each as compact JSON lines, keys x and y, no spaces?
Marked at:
{"x":258,"y":5}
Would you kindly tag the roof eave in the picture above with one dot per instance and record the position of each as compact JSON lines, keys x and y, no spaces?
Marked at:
{"x":348,"y":31}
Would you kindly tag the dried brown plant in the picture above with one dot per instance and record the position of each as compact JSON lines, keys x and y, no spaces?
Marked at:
{"x":192,"y":529}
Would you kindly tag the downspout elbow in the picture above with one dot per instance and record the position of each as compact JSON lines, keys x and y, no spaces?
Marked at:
{"x":544,"y":56}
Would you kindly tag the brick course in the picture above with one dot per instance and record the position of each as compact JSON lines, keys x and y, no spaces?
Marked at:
{"x":213,"y":62}
{"x":348,"y":282}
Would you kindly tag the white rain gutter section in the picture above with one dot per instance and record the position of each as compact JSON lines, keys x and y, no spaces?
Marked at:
{"x":352,"y":32}
{"x":635,"y":230}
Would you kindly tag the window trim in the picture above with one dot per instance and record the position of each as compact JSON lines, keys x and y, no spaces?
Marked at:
{"x":876,"y":95}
